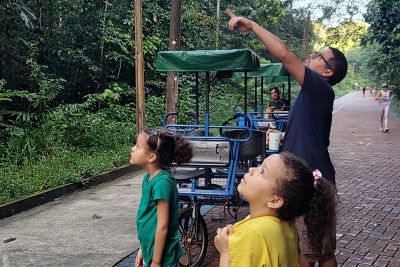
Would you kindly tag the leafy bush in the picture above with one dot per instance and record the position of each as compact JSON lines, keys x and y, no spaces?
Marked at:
{"x":62,"y":167}
{"x":155,"y":109}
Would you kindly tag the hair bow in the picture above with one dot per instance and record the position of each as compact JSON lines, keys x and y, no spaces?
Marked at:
{"x":317,"y":175}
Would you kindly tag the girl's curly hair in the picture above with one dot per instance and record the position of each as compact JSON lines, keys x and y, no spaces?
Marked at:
{"x":301,"y":197}
{"x":169,"y":147}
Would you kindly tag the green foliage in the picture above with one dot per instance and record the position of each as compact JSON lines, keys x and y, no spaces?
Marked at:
{"x":155,"y":109}
{"x":344,"y":36}
{"x":63,"y":166}
{"x":67,"y":110}
{"x":384,"y":36}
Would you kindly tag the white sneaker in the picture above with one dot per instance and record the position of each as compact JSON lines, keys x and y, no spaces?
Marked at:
{"x":381,"y":129}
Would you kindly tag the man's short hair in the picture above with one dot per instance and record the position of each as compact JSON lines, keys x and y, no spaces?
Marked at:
{"x":275,"y":88}
{"x":339,"y":65}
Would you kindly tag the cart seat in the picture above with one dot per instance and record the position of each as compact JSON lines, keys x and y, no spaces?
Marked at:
{"x":185,"y":175}
{"x":239,"y":172}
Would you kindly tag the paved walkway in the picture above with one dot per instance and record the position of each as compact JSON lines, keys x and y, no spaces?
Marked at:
{"x":94,"y":227}
{"x":367,"y":164}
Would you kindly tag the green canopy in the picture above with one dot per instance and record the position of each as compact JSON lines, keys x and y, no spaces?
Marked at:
{"x":266,"y":70}
{"x":207,"y":60}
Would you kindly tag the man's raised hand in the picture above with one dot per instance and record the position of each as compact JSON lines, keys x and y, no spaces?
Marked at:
{"x":240,"y":24}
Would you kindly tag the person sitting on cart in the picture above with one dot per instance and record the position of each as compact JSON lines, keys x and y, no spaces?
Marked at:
{"x":276,"y":103}
{"x":280,"y":190}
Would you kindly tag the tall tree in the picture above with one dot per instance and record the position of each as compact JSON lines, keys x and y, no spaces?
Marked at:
{"x":174,"y":44}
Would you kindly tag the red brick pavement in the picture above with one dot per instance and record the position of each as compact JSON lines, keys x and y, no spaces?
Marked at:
{"x":367,"y":164}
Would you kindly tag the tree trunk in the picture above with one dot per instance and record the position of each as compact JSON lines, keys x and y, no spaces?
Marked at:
{"x":174,"y":44}
{"x":139,"y":68}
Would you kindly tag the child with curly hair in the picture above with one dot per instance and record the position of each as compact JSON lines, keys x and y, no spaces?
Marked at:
{"x":280,"y":190}
{"x":157,"y":218}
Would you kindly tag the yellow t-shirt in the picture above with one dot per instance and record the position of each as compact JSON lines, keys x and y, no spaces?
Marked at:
{"x":263,"y":241}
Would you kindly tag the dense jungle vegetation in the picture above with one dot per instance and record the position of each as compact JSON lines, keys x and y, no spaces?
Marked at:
{"x":67,"y":96}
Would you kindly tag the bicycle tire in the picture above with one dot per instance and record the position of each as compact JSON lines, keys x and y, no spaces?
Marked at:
{"x":194,"y":247}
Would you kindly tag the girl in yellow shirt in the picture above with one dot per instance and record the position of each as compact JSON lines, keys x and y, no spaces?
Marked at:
{"x":280,"y":190}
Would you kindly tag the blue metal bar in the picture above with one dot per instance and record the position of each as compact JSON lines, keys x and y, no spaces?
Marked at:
{"x":189,"y":126}
{"x":233,"y":168}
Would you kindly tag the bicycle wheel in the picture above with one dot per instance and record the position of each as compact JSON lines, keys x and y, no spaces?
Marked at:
{"x":193,"y":239}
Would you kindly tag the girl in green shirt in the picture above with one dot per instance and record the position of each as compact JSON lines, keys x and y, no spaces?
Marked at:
{"x":157,"y":218}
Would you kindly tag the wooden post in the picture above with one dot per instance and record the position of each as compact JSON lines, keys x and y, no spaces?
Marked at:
{"x":139,"y":67}
{"x":174,"y":44}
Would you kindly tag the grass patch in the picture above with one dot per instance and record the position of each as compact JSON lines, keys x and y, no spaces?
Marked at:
{"x":63,"y":167}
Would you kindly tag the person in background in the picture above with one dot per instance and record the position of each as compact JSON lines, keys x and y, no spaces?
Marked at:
{"x":384,"y":96}
{"x":363,"y":90}
{"x":278,"y":191}
{"x":276,"y":103}
{"x":310,"y":119}
{"x":157,"y":218}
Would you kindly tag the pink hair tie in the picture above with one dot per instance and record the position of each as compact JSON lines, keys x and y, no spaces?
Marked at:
{"x":317,"y":175}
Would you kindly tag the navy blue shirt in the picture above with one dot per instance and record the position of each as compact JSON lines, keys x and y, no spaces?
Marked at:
{"x":309,"y":125}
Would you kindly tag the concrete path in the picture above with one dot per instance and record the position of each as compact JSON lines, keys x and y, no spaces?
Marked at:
{"x":95,"y":227}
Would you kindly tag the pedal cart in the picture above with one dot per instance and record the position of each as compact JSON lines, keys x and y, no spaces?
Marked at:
{"x":212,"y":175}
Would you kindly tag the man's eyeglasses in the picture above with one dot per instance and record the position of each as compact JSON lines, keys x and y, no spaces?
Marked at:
{"x":315,"y":55}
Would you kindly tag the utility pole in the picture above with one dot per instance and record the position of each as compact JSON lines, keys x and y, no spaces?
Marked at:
{"x":139,"y":67}
{"x":174,"y":44}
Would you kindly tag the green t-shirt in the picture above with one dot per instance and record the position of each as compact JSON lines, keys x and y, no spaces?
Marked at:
{"x":161,"y":187}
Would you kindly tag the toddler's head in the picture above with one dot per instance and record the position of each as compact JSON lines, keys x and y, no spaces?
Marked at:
{"x":283,"y":182}
{"x":160,"y":147}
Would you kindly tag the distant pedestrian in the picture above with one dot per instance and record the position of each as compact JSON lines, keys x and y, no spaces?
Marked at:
{"x":363,"y":90}
{"x":157,"y":218}
{"x":280,"y":190}
{"x":384,"y":97}
{"x":370,"y":90}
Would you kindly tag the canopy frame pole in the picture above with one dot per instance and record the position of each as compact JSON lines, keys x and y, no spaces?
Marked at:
{"x":207,"y":102}
{"x":289,"y":90}
{"x":245,"y":93}
{"x":197,"y":98}
{"x":262,"y":96}
{"x":255,"y":94}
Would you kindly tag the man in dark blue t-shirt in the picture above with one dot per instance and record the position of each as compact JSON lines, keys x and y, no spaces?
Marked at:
{"x":310,"y":118}
{"x":309,"y":125}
